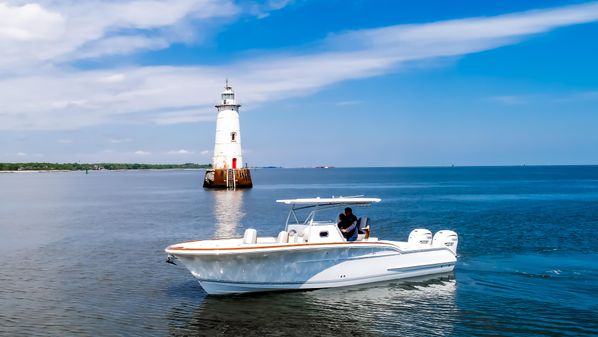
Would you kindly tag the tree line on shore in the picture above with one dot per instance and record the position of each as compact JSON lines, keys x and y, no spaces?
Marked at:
{"x":96,"y":166}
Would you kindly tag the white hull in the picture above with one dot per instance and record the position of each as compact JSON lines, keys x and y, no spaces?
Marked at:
{"x":309,"y":266}
{"x":315,"y":254}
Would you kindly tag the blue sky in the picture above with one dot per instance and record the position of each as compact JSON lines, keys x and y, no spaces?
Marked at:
{"x":363,"y":83}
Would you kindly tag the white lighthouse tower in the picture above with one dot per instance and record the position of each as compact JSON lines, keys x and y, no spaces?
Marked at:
{"x":227,"y":148}
{"x":228,"y":169}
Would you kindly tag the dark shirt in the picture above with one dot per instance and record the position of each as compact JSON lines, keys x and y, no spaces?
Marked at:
{"x":346,"y":223}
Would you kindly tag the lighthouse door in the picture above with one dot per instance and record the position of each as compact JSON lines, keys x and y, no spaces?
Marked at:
{"x":234,"y":163}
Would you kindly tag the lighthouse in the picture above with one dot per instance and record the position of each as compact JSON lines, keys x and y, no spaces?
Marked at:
{"x":228,"y":169}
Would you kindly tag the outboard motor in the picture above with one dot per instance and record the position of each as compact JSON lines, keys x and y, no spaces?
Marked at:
{"x":446,"y":238}
{"x":421,"y":237}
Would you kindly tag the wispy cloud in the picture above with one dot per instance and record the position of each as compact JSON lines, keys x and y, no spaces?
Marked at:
{"x":142,"y":153}
{"x":18,"y":156}
{"x":535,"y":98}
{"x":67,"y":98}
{"x":181,"y":152}
{"x":119,"y":140}
{"x":263,"y":10}
{"x":354,"y":102}
{"x":53,"y":32}
{"x":176,"y":116}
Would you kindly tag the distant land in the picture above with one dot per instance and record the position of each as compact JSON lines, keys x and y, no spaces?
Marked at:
{"x":96,"y":166}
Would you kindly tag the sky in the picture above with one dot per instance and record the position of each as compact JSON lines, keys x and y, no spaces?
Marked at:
{"x":340,"y":83}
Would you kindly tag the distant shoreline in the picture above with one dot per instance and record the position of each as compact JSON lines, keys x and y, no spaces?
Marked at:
{"x":198,"y":167}
{"x":73,"y":167}
{"x":95,"y":171}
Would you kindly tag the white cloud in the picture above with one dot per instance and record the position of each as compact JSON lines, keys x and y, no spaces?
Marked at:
{"x":66,"y":98}
{"x":112,"y":78}
{"x":119,"y":140}
{"x":142,"y":153}
{"x":29,"y":23}
{"x":121,"y":45}
{"x":201,"y":113}
{"x":181,"y":152}
{"x":50,"y":33}
{"x":204,"y":152}
{"x":262,"y":10}
{"x":21,"y":154}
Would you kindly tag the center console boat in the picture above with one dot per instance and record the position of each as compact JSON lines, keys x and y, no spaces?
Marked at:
{"x":312,"y":253}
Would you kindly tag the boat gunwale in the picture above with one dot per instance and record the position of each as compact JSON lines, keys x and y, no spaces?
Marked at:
{"x":178,"y":250}
{"x":177,"y":247}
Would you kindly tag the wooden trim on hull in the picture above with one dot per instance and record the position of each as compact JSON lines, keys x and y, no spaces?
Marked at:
{"x":179,"y":250}
{"x":177,"y":246}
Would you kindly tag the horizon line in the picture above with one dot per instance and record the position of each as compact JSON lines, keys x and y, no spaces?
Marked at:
{"x":315,"y":167}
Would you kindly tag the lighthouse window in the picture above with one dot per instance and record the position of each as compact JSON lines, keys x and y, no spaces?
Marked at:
{"x":233,"y":136}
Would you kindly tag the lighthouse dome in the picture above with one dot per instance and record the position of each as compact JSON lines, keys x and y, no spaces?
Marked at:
{"x":227,"y":100}
{"x":228,"y":95}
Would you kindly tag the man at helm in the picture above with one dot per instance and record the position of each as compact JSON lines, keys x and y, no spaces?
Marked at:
{"x":348,"y":224}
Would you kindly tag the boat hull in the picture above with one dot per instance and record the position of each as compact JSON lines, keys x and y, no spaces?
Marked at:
{"x":311,"y":267}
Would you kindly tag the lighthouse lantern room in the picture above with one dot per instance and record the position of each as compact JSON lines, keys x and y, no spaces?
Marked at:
{"x":228,"y":169}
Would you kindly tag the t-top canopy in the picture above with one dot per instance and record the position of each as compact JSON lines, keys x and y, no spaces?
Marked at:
{"x":330,"y":201}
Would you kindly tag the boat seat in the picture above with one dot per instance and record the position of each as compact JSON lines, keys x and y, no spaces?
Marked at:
{"x":305,"y":234}
{"x":363,"y":229}
{"x":363,"y":222}
{"x":292,"y":236}
{"x":250,"y":236}
{"x":283,"y":237}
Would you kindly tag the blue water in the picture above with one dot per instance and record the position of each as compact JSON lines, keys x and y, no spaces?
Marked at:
{"x":83,"y":254}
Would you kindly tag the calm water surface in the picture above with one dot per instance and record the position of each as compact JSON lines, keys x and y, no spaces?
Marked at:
{"x":83,"y":254}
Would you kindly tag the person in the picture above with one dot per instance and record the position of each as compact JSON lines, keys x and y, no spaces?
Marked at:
{"x":348,"y":224}
{"x":341,"y":220}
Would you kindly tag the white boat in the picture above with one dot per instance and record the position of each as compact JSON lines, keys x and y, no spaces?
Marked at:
{"x":313,"y":254}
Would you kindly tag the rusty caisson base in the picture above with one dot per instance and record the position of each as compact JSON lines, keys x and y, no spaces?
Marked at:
{"x":228,"y":178}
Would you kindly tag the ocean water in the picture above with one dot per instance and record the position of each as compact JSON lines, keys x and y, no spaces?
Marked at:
{"x":83,"y":254}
